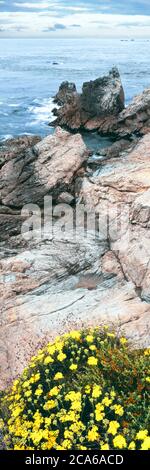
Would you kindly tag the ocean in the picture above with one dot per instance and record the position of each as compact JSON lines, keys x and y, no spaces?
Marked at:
{"x":31,"y":71}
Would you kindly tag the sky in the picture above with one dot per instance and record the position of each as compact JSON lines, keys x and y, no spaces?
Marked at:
{"x":75,"y":18}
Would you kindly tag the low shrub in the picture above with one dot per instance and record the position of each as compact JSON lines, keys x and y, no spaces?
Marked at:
{"x":87,"y":390}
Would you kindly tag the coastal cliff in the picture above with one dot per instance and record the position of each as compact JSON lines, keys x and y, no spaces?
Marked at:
{"x":56,"y":282}
{"x":101,"y":107}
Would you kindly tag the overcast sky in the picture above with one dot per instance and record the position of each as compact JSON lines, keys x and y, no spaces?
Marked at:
{"x":69,"y":18}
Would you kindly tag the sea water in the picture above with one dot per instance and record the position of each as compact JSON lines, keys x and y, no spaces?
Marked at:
{"x":31,"y":71}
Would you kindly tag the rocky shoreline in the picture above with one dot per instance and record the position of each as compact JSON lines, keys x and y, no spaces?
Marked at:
{"x":53,"y":284}
{"x":101,"y":107}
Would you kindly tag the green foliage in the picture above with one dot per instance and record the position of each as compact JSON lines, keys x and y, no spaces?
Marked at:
{"x":87,"y":390}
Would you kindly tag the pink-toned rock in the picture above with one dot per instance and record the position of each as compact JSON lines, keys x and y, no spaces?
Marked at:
{"x":50,"y":302}
{"x":120,"y":195}
{"x":100,"y":107}
{"x":47,"y":167}
{"x":140,"y":210}
{"x":54,"y":285}
{"x":111,"y":265}
{"x":136,"y":117}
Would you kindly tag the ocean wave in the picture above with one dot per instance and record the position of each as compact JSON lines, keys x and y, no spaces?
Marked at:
{"x":6,"y":137}
{"x":14,"y":105}
{"x":3,"y":113}
{"x":41,"y":111}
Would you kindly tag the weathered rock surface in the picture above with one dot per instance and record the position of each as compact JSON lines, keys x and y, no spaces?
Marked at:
{"x":140,"y":210}
{"x":58,"y":285}
{"x":65,"y":93}
{"x":31,"y":169}
{"x":100,"y":107}
{"x":120,"y":195}
{"x":100,"y":100}
{"x":68,"y":280}
{"x":118,"y":149}
{"x":104,"y":96}
{"x":135,"y":119}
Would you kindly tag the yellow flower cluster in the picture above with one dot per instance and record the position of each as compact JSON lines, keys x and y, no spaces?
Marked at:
{"x":87,"y":390}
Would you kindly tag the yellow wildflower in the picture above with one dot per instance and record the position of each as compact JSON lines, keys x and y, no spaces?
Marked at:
{"x":35,"y":378}
{"x":107,"y":401}
{"x":89,"y":338}
{"x":28,"y":393}
{"x":141,"y":435}
{"x":17,"y":411}
{"x":119,"y":442}
{"x":61,"y":357}
{"x":77,"y":427}
{"x":48,"y":421}
{"x":48,"y":360}
{"x":76,"y":405}
{"x":97,"y":391}
{"x":50,"y":404}
{"x":58,"y":376}
{"x":73,"y":396}
{"x":132,"y":445}
{"x":38,"y":392}
{"x":54,"y":392}
{"x":75,"y":335}
{"x":92,"y":347}
{"x":68,"y":434}
{"x":113,"y":427}
{"x":148,"y":380}
{"x":26,"y":384}
{"x":112,"y":394}
{"x":123,"y":341}
{"x":105,"y":447}
{"x":146,"y":444}
{"x":147,"y":352}
{"x":51,"y":349}
{"x":59,"y":345}
{"x":92,"y":361}
{"x":73,"y":367}
{"x":17,"y":447}
{"x":93,"y":434}
{"x":66,"y":444}
{"x":1,"y":423}
{"x":88,"y":389}
{"x":118,"y":410}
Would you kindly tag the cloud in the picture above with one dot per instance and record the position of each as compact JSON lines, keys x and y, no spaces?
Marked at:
{"x":56,"y":27}
{"x":59,"y":26}
{"x":38,"y":6}
{"x":82,"y":18}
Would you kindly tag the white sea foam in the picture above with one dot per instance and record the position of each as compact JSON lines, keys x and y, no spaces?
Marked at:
{"x":14,"y":105}
{"x":6,"y":137}
{"x":3,"y":114}
{"x":41,"y":111}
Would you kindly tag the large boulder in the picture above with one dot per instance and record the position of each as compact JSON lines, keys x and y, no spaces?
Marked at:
{"x":31,"y":169}
{"x":65,"y":93}
{"x":135,"y":119}
{"x":101,"y":107}
{"x":100,"y":99}
{"x":104,"y":96}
